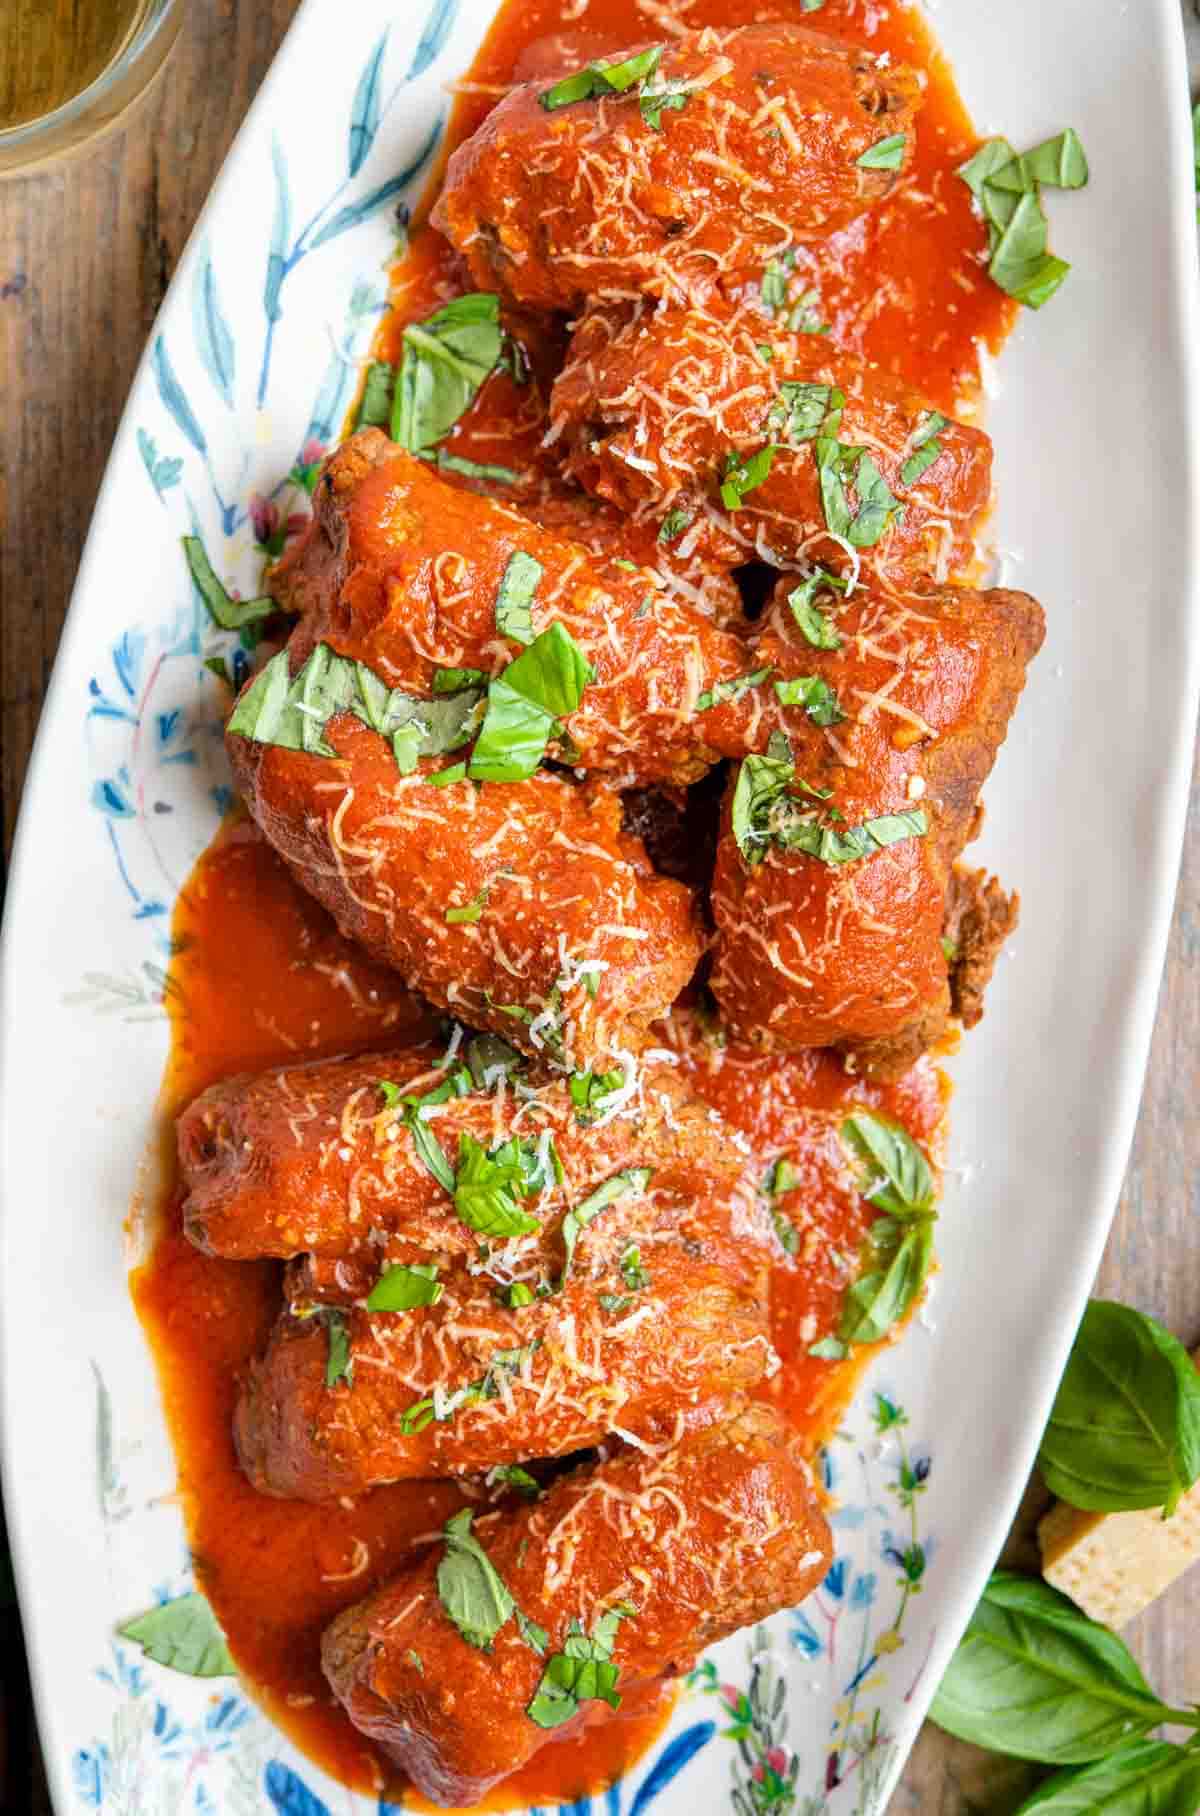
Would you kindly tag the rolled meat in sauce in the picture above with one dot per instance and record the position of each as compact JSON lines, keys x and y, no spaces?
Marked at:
{"x":557,"y":203}
{"x":521,"y":907}
{"x":652,"y":403}
{"x":820,"y":947}
{"x":402,"y":572}
{"x":315,"y":1160}
{"x":655,"y":1556}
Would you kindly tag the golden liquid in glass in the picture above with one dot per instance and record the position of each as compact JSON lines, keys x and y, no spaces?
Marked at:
{"x":51,"y":50}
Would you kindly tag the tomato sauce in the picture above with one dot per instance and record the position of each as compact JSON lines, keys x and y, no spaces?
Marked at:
{"x":261,"y":975}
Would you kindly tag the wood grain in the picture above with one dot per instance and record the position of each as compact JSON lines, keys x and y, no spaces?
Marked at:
{"x":86,"y":253}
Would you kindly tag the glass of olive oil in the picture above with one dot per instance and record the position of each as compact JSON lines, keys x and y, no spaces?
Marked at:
{"x":70,"y":69}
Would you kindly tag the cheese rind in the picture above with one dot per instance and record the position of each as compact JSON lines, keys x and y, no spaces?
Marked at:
{"x":1112,"y":1565}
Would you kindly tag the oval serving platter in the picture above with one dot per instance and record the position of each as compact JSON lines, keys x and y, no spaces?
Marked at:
{"x":246,"y":379}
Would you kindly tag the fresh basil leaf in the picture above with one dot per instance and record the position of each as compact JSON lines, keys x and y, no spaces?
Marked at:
{"x":924,"y":448}
{"x":469,"y":1586}
{"x":631,"y":1179}
{"x":888,"y":154}
{"x":783,"y":1177}
{"x":1125,"y":1428}
{"x":429,"y":1149}
{"x":515,"y":1295}
{"x":732,"y":689}
{"x":406,"y":748}
{"x":339,"y":1363}
{"x":444,"y":362}
{"x":375,"y":408}
{"x":801,"y":412}
{"x":814,"y":695}
{"x":472,"y":469}
{"x":876,"y":505}
{"x":786,"y":1232}
{"x":518,"y":584}
{"x":744,"y":473}
{"x":674,"y":524}
{"x":773,"y":288}
{"x":1146,"y":1778}
{"x":816,"y":625}
{"x":470,"y":912}
{"x":797,"y":830}
{"x":1039,"y":284}
{"x":542,"y":685}
{"x":901,"y":1253}
{"x":425,"y":1412}
{"x":802,"y":317}
{"x":485,"y":1189}
{"x":828,"y":1349}
{"x":535,"y":1637}
{"x":446,"y":778}
{"x":229,"y":614}
{"x":589,"y":1089}
{"x":582,"y":1672}
{"x":457,"y":680}
{"x":1033,"y":1677}
{"x":632,"y":1272}
{"x":891,"y":1171}
{"x":839,"y":466}
{"x":487,"y":1056}
{"x":1060,"y":161}
{"x":1021,"y":247}
{"x":183,"y":1635}
{"x":993,"y":155}
{"x":402,"y":1289}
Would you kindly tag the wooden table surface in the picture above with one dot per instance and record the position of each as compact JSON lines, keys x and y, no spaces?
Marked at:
{"x":86,"y":253}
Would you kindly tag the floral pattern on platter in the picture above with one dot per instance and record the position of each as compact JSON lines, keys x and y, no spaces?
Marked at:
{"x":158,"y":783}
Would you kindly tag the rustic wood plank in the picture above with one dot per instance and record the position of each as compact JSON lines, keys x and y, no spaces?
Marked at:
{"x":86,"y":253}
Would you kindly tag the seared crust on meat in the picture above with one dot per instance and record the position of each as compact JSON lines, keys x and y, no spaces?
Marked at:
{"x":556,"y":205}
{"x":696,"y":1541}
{"x":980,"y":916}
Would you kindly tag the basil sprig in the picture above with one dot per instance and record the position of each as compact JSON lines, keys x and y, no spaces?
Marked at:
{"x":526,"y":703}
{"x":893,"y":1174}
{"x":445,"y":360}
{"x":1125,"y":1428}
{"x":183,"y":1635}
{"x":293,"y":712}
{"x":1007,"y":187}
{"x":1035,"y":1678}
{"x":469,"y":1586}
{"x":582,"y":1672}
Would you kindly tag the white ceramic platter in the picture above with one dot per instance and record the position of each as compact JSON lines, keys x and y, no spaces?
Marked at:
{"x":251,"y":363}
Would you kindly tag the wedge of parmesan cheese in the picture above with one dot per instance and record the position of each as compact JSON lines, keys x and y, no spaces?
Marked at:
{"x":1112,"y":1565}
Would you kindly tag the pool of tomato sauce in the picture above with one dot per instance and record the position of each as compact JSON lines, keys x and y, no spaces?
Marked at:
{"x":261,"y":976}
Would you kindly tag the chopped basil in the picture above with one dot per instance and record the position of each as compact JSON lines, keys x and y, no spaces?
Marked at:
{"x":763,"y":811}
{"x":402,"y":1289}
{"x":487,"y":1054}
{"x":375,"y":408}
{"x":471,"y":469}
{"x":803,"y":411}
{"x":535,"y":1637}
{"x":183,"y":1635}
{"x":802,"y":317}
{"x":891,"y":1171}
{"x":589,"y":1089}
{"x":741,"y":474}
{"x":838,"y":466}
{"x":762,"y":783}
{"x":674,"y":524}
{"x":732,"y":689}
{"x":425,"y":1412}
{"x":615,"y":1302}
{"x":783,"y":1177}
{"x":632,"y":1272}
{"x":834,"y":847}
{"x":457,"y":680}
{"x":486,"y":1187}
{"x":445,"y":778}
{"x":599,"y":79}
{"x":888,"y":154}
{"x":786,"y":1231}
{"x":631,"y":1179}
{"x":1007,"y":187}
{"x":511,"y":1475}
{"x":294,"y":712}
{"x":518,"y":584}
{"x":391,"y":1093}
{"x":542,"y":685}
{"x":339,"y":1364}
{"x":429,"y":1149}
{"x":765,"y":352}
{"x":924,"y":448}
{"x":229,"y":614}
{"x":816,"y":625}
{"x":444,"y":362}
{"x":774,"y":286}
{"x":814,"y":695}
{"x":470,"y":912}
{"x":949,"y":950}
{"x":582,"y":1672}
{"x":469,"y":1586}
{"x":515,"y":1295}
{"x":829,"y":1349}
